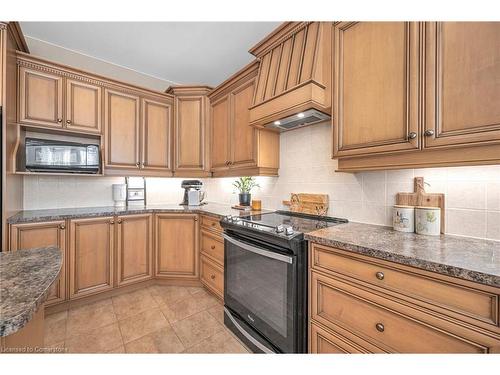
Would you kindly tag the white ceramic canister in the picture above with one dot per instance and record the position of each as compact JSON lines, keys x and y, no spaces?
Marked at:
{"x":403,"y":218}
{"x":428,"y":220}
{"x":120,"y":194}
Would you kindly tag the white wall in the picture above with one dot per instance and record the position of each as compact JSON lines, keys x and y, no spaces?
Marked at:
{"x":472,"y":193}
{"x":78,"y":60}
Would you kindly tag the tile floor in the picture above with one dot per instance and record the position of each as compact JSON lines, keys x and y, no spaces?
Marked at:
{"x":158,"y":319}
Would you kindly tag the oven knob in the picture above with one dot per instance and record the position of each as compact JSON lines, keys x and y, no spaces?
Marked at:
{"x":280,"y":229}
{"x":229,"y":218}
{"x":288,"y":231}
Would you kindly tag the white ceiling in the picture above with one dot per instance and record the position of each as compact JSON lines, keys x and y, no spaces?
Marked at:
{"x":181,"y":52}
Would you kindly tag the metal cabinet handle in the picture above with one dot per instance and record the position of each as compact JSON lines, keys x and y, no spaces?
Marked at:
{"x":429,"y":132}
{"x":137,"y":164}
{"x":212,"y":247}
{"x":68,"y":121}
{"x":380,"y":327}
{"x":143,"y":164}
{"x":62,"y":226}
{"x":380,"y":275}
{"x":112,"y":222}
{"x":119,"y":221}
{"x":59,"y":120}
{"x":212,"y":276}
{"x":412,"y":135}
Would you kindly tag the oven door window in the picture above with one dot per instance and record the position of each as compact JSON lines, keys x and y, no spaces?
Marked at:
{"x":260,"y":288}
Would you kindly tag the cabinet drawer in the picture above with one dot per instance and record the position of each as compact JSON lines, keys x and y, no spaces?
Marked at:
{"x":212,"y":276}
{"x":335,"y":303}
{"x":212,"y":245}
{"x":211,"y":223}
{"x":326,"y":342}
{"x":479,"y":305}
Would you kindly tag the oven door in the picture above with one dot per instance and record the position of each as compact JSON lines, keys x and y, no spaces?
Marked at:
{"x":260,"y":286}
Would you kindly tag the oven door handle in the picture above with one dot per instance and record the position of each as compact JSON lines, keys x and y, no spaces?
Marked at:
{"x":257,"y":250}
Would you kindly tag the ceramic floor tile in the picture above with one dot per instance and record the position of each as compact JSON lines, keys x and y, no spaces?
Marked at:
{"x":88,"y":317}
{"x":98,"y":340}
{"x":132,"y":303}
{"x":186,"y":307}
{"x":118,"y":350}
{"x":217,"y":312}
{"x":196,"y":328}
{"x":222,"y":342}
{"x":141,"y":324}
{"x":163,"y":341}
{"x":169,"y":294}
{"x":195,"y":289}
{"x":55,"y":328}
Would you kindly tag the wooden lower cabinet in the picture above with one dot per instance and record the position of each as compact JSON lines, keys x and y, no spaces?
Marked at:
{"x":176,"y":246}
{"x":388,"y":321}
{"x":91,"y":256}
{"x":34,"y":235}
{"x":212,"y":276}
{"x":134,"y":249}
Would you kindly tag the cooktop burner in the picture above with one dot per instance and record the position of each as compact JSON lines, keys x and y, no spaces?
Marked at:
{"x":285,"y":223}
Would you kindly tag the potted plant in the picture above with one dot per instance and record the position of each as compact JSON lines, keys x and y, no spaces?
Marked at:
{"x":245,"y":185}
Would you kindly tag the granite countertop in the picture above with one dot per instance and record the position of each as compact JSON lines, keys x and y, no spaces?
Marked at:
{"x":212,"y":209}
{"x":462,"y":257}
{"x":25,"y":279}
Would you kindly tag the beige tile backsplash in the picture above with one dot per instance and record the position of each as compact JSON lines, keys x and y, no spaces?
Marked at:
{"x":472,"y":193}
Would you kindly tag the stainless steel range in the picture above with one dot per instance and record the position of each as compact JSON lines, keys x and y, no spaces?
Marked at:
{"x":265,"y":278}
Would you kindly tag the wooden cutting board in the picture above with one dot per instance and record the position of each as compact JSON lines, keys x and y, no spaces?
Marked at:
{"x":315,"y":204}
{"x":420,"y":198}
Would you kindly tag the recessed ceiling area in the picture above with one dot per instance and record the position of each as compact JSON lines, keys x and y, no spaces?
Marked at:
{"x":181,"y":52}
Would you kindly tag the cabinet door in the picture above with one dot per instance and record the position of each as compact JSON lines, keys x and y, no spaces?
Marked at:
{"x":134,"y":248}
{"x":462,"y":83}
{"x":156,"y":135}
{"x":177,"y":246}
{"x":122,"y":130}
{"x":375,"y":87}
{"x":40,"y":98}
{"x":33,"y":235}
{"x":90,"y":256}
{"x":220,"y":134}
{"x":190,"y":133}
{"x":83,"y":107}
{"x":243,"y":136}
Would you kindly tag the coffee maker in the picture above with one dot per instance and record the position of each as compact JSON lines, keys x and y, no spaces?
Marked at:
{"x":193,"y":195}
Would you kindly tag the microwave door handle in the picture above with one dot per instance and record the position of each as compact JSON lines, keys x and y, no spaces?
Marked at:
{"x":258,"y":250}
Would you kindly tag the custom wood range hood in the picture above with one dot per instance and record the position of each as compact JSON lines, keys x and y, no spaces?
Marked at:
{"x":294,"y":81}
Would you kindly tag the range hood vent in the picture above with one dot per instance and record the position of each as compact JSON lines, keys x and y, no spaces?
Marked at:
{"x":299,"y":120}
{"x":295,"y":69}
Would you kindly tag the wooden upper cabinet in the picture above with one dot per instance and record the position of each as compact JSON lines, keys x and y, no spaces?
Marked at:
{"x":134,"y":248}
{"x":122,"y":130}
{"x":176,"y":245}
{"x":237,"y":148}
{"x":220,"y":133}
{"x":243,"y":135}
{"x":40,"y":98}
{"x":83,"y":107}
{"x":91,"y":256}
{"x":34,"y":235}
{"x":462,"y":83}
{"x":191,"y":133}
{"x":375,"y":87}
{"x":156,"y":135}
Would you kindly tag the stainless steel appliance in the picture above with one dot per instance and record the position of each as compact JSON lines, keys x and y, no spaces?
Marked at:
{"x":265,"y":278}
{"x":43,"y":155}
{"x":192,"y":185}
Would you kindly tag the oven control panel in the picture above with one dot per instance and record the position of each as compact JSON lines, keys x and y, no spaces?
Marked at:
{"x":280,"y":229}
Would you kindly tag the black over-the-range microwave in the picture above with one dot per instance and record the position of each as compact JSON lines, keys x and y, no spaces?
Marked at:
{"x":43,"y":155}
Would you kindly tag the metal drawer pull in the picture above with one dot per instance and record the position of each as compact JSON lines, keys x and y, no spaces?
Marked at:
{"x":250,"y":338}
{"x":62,"y":226}
{"x":212,"y":247}
{"x":380,"y":275}
{"x":429,"y":132}
{"x":257,"y":250}
{"x":412,"y":135}
{"x":212,"y":276}
{"x":380,"y":327}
